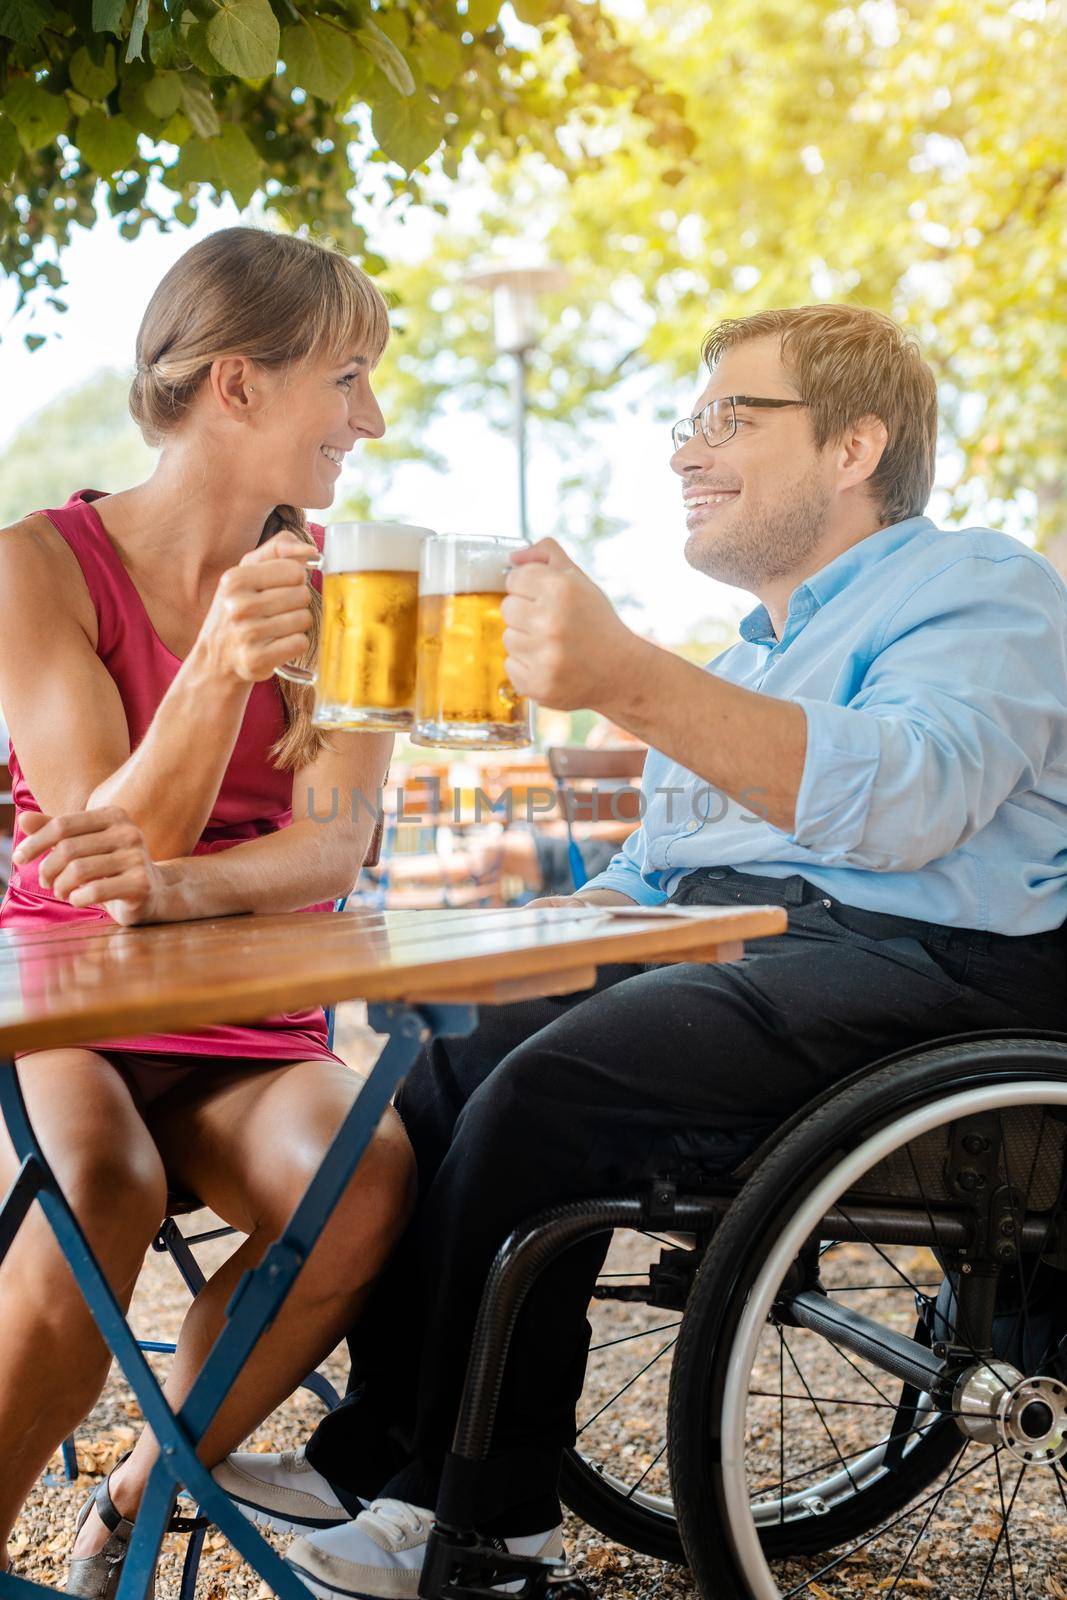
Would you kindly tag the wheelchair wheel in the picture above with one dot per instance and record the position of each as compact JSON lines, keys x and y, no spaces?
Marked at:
{"x":870,"y":1384}
{"x":616,"y":1477}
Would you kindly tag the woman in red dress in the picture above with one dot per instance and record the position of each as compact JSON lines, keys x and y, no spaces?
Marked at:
{"x":162,"y":772}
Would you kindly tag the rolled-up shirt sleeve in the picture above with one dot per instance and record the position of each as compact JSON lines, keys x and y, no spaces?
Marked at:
{"x":961,"y":706}
{"x":623,"y":873}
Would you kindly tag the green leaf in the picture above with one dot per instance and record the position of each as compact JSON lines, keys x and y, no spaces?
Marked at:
{"x":228,"y":162}
{"x":33,"y":341}
{"x":9,"y":150}
{"x":108,"y":144}
{"x":177,"y":130}
{"x":22,"y":20}
{"x":107,"y":15}
{"x":94,"y":82}
{"x":395,"y":26}
{"x":386,"y":57}
{"x":408,"y":130}
{"x":163,"y":45}
{"x":196,"y":47}
{"x":244,"y":38}
{"x":318,"y":58}
{"x":38,"y":115}
{"x":199,"y":106}
{"x":360,"y":79}
{"x":440,"y":58}
{"x":534,"y":12}
{"x":163,"y":94}
{"x":482,"y":14}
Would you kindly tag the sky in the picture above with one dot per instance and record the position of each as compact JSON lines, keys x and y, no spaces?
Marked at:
{"x":109,"y":283}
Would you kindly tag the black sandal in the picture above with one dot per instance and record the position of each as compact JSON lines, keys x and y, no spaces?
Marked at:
{"x":97,"y":1577}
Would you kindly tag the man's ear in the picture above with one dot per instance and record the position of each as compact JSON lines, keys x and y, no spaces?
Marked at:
{"x":232,"y":384}
{"x":861,"y":447}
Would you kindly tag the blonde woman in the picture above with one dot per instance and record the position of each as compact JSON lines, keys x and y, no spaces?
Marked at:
{"x":161,"y":772}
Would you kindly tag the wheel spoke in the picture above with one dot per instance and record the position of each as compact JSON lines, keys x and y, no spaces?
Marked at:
{"x":1058,"y":1473}
{"x":781,"y":1426}
{"x":884,"y":1288}
{"x":1005,"y":1513}
{"x":886,"y":1527}
{"x":818,"y":1410}
{"x":628,"y":1384}
{"x":654,"y":1462}
{"x":926,"y":1522}
{"x":824,"y":1400}
{"x":850,"y":1455}
{"x":642,"y":1333}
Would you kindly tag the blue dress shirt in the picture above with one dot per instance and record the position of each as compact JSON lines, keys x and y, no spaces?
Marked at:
{"x":932,"y":669}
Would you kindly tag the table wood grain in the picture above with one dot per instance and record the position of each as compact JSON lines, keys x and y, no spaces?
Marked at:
{"x":99,"y":981}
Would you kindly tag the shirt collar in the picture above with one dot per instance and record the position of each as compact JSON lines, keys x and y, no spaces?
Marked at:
{"x":823,"y":585}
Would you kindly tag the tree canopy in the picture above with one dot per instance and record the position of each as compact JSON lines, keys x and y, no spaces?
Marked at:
{"x":685,"y":161}
{"x":909,"y":155}
{"x":315,"y":107}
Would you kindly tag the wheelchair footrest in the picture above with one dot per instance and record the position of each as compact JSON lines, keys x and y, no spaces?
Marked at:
{"x":463,"y":1566}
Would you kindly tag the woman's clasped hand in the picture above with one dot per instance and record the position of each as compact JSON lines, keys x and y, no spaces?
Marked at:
{"x":96,"y":858}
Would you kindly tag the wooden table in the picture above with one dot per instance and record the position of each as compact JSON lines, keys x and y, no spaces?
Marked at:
{"x":424,"y":973}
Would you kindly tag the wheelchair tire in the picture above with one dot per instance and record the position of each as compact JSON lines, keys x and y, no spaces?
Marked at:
{"x":710,"y":1427}
{"x":592,"y":1496}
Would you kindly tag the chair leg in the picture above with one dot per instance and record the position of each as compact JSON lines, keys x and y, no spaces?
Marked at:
{"x":322,"y":1389}
{"x":191,"y":1566}
{"x":69,"y":1452}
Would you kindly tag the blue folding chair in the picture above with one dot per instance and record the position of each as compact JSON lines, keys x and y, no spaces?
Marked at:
{"x":171,"y":1241}
{"x":618,"y":768}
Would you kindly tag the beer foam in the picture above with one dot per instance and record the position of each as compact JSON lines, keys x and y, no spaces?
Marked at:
{"x":466,"y":566}
{"x":374,"y":546}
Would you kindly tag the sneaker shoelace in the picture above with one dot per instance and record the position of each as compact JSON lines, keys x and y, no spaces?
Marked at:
{"x":395,"y":1525}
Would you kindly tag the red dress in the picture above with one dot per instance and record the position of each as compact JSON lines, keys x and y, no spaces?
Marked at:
{"x":255,"y":798}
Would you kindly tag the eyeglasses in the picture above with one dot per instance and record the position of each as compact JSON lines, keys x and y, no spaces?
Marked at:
{"x":717,"y":421}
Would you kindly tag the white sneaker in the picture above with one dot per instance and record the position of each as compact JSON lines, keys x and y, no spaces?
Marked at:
{"x":282,"y":1492}
{"x":379,"y":1556}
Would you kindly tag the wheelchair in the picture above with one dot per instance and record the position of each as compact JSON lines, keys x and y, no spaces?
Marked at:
{"x":844,"y":1373}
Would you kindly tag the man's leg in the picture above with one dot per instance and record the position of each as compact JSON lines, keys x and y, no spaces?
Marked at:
{"x":361,"y":1444}
{"x":671,"y":1063}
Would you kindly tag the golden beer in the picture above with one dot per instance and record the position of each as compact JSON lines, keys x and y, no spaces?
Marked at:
{"x":370,"y":597}
{"x":463,"y":696}
{"x":369,"y":622}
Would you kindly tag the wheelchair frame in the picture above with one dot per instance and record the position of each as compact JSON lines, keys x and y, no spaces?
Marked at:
{"x":459,"y":1566}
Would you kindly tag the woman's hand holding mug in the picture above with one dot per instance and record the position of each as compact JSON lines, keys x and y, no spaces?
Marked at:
{"x":260,"y":614}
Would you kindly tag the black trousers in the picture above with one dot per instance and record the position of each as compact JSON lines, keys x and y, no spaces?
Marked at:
{"x":656,"y":1070}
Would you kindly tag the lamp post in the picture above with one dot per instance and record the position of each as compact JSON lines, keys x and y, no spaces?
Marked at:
{"x":515,"y":292}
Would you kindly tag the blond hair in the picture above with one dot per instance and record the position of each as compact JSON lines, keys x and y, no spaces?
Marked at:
{"x":278,"y":300}
{"x":847,"y":363}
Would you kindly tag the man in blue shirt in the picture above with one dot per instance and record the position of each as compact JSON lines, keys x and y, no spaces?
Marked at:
{"x":884,"y":753}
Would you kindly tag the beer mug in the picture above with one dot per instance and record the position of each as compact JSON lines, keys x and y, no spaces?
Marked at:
{"x":462,"y":694}
{"x":370,"y":597}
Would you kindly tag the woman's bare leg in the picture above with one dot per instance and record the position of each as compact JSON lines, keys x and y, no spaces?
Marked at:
{"x":248,"y":1149}
{"x":52,"y":1360}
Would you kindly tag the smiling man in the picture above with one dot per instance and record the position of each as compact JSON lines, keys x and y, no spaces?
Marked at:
{"x":884,"y":753}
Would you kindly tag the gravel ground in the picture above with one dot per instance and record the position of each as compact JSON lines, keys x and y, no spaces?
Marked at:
{"x":632,"y":1347}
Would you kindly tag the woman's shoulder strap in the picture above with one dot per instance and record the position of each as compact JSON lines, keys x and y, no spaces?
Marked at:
{"x":82,"y":531}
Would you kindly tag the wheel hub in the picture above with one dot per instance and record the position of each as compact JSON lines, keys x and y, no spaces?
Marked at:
{"x":995,"y":1404}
